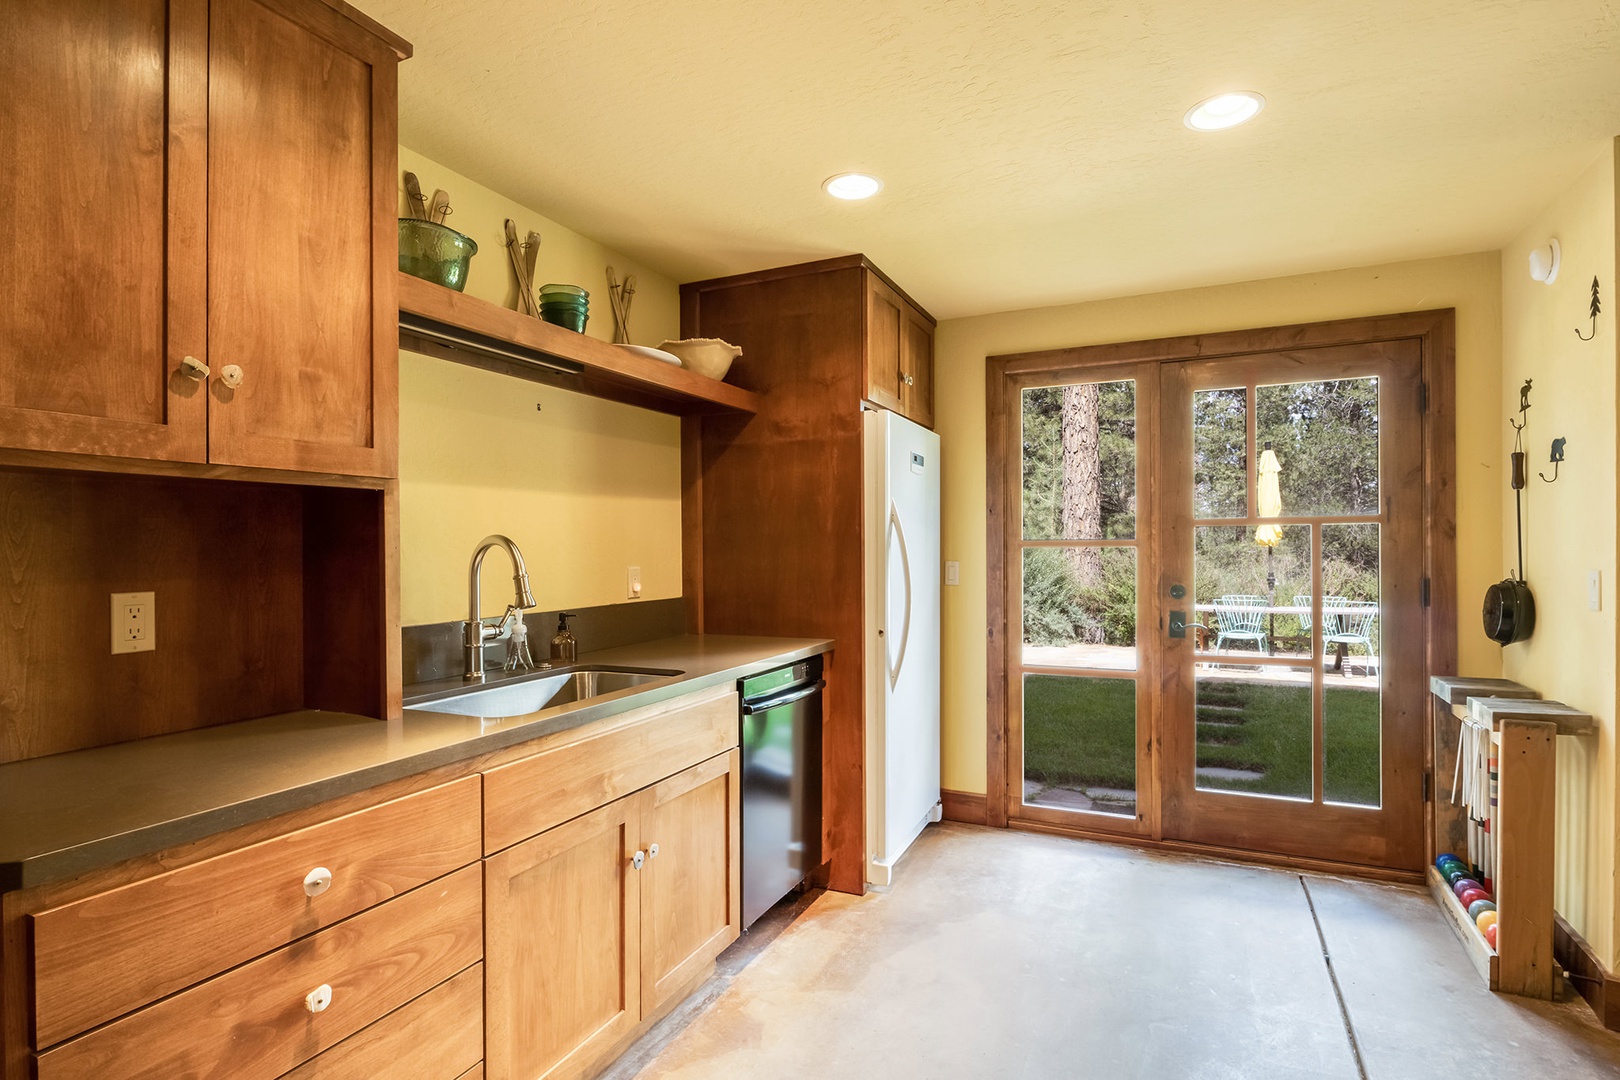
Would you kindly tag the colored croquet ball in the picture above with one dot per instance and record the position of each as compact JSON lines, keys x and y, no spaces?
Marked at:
{"x":1490,"y":935}
{"x":1462,"y":885}
{"x":1480,"y":905}
{"x":1485,"y":921}
{"x":1469,"y":897}
{"x":1448,"y":857}
{"x":1454,"y":875}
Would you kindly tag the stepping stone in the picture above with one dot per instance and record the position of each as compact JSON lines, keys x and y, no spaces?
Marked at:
{"x":1221,"y":721}
{"x":1067,"y":798}
{"x":1210,"y":706}
{"x":1216,"y":772}
{"x":1112,"y":798}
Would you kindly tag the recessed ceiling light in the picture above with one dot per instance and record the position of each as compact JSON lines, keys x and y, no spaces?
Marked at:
{"x":852,"y":185}
{"x":1224,"y":111}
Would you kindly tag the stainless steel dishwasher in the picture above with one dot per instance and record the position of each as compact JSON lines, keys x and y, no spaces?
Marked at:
{"x":781,"y":783}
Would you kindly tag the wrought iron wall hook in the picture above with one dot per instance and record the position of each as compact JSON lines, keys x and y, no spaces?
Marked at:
{"x":1597,"y":306}
{"x":1556,"y":456}
{"x":1524,"y":407}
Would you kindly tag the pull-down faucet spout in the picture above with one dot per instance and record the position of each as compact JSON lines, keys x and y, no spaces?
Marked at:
{"x":478,"y":635}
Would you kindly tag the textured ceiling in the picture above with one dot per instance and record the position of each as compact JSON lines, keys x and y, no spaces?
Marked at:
{"x":1032,"y":152}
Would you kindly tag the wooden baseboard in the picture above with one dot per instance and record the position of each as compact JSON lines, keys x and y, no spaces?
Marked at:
{"x":1221,"y":854}
{"x":963,"y":806}
{"x":1587,"y":973}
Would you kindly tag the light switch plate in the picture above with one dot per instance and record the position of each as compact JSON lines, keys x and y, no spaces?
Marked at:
{"x":953,"y":573}
{"x":1594,"y":590}
{"x":634,"y":583}
{"x":134,"y":622}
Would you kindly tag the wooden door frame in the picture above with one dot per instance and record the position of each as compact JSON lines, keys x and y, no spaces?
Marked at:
{"x":1434,"y":330}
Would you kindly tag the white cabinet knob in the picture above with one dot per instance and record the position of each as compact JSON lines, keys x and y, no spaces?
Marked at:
{"x":193,"y":368}
{"x":231,"y":376}
{"x":317,"y":881}
{"x":638,"y":859}
{"x":652,"y":852}
{"x":318,"y":999}
{"x":908,"y":379}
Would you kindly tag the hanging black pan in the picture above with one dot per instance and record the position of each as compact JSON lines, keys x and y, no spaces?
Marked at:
{"x":1510,"y":611}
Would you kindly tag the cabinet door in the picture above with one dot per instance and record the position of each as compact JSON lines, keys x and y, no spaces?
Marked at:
{"x":885,"y":320}
{"x":562,"y":943}
{"x":917,"y":369}
{"x":302,"y":242}
{"x":103,"y":158}
{"x":692,"y":887}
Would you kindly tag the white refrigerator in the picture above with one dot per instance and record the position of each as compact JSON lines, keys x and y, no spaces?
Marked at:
{"x":903,"y":573}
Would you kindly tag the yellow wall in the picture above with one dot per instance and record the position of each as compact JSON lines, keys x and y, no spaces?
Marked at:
{"x":1570,"y":525}
{"x":1469,"y":283}
{"x":587,"y":488}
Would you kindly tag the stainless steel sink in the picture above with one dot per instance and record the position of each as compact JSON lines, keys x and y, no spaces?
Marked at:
{"x":519,"y":698}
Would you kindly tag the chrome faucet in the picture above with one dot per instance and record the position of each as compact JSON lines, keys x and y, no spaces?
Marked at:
{"x":477,"y":634}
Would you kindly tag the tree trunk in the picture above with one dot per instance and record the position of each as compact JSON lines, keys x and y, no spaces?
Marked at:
{"x":1081,"y":491}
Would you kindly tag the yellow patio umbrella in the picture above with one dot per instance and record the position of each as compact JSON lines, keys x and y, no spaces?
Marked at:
{"x":1268,"y":536}
{"x":1270,"y":498}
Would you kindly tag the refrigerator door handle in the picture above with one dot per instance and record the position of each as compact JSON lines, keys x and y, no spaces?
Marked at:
{"x":905,"y":572}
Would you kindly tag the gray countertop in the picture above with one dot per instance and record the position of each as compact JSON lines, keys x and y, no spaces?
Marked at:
{"x":71,"y":813}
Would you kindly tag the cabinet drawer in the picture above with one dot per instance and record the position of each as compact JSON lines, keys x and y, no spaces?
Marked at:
{"x":439,"y":1036}
{"x":530,"y":796}
{"x":107,"y":954}
{"x":252,"y":1023}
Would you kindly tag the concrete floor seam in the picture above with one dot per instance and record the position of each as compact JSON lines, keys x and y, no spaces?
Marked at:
{"x":1333,"y":976}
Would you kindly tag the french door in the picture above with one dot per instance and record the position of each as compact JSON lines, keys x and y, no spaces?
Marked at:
{"x":1212,"y":592}
{"x":1294,"y":684}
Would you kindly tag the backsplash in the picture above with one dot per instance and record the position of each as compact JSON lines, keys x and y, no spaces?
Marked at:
{"x":433,"y":650}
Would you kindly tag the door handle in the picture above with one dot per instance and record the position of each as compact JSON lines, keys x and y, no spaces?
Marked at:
{"x":1178,"y":624}
{"x":905,"y":571}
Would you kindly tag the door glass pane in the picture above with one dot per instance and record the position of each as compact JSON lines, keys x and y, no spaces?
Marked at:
{"x":1220,"y":453}
{"x":1325,"y":436}
{"x":1254,"y":730}
{"x":1080,"y":743}
{"x":1080,"y":607}
{"x":1246,"y":590}
{"x":1079,"y":447}
{"x":1351,"y":705}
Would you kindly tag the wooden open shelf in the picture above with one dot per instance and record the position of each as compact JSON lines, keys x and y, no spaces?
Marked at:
{"x":485,"y":335}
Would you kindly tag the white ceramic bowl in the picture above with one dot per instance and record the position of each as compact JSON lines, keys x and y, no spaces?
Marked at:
{"x":709,"y":357}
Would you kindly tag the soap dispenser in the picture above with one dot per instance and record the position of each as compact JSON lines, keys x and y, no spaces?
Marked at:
{"x":564,"y":647}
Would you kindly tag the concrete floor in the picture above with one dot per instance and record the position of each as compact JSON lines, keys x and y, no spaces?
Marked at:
{"x":1006,"y":954}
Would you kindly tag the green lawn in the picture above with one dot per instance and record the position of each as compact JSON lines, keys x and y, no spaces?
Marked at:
{"x":1081,"y":732}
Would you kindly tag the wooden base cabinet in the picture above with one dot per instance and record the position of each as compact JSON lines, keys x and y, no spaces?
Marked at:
{"x":596,"y":926}
{"x":319,"y":946}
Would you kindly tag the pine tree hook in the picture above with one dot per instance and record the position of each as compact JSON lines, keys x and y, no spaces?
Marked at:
{"x":1597,"y":306}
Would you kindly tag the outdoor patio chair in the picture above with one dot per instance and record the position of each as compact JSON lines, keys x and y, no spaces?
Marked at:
{"x":1347,"y":628}
{"x":1247,"y":623}
{"x":1305,"y":616}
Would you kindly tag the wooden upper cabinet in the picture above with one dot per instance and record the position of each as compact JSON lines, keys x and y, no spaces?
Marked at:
{"x":917,"y":368}
{"x":103,"y":148}
{"x":209,"y":179}
{"x":302,"y":256}
{"x":899,"y":352}
{"x":885,"y":323}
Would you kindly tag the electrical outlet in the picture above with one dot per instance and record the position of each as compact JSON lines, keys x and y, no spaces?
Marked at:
{"x":1594,"y":590}
{"x":635,"y":583}
{"x":134,"y":622}
{"x":953,"y":573}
